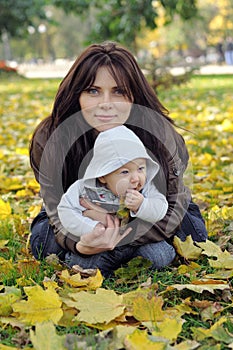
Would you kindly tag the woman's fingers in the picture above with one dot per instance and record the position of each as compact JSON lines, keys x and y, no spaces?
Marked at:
{"x":104,"y":238}
{"x":97,"y":216}
{"x":85,"y":203}
{"x":89,"y":205}
{"x":112,"y":221}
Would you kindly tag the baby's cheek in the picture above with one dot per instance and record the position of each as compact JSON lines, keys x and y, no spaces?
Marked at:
{"x":121,"y":186}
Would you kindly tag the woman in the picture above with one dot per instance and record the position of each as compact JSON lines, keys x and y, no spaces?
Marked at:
{"x":105,"y":88}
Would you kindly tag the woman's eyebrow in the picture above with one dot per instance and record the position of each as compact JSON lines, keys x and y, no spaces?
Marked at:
{"x":118,"y":87}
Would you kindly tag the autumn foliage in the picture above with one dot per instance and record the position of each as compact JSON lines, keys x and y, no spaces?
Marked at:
{"x":46,"y":305}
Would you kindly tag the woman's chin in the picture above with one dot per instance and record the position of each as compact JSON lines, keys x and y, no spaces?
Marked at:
{"x":107,"y":126}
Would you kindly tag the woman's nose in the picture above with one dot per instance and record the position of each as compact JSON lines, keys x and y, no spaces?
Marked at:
{"x":105,"y":106}
{"x":105,"y":102}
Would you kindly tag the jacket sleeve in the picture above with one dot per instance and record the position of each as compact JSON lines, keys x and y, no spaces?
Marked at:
{"x":70,"y":212}
{"x":47,"y":168}
{"x":153,"y":207}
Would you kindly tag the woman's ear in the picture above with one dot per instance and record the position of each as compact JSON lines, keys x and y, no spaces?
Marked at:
{"x":102,"y":179}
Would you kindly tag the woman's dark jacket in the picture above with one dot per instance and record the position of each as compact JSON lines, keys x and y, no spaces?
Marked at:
{"x":56,"y":169}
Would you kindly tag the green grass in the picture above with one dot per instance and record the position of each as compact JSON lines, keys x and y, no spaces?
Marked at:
{"x":202,"y":105}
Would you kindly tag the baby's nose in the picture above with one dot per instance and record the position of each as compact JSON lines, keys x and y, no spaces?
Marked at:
{"x":134,"y":177}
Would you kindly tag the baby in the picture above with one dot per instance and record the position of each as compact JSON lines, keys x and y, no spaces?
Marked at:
{"x":118,"y":180}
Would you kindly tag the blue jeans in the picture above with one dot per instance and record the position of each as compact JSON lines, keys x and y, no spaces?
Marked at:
{"x":42,"y":239}
{"x":160,"y":254}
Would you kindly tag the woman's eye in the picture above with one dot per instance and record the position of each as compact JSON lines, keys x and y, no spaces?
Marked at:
{"x":119,"y":91}
{"x":92,"y":91}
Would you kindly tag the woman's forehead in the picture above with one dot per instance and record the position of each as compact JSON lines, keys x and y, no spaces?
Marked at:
{"x":104,"y":75}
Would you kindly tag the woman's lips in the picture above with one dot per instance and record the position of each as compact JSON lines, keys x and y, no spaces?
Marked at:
{"x":105,"y":118}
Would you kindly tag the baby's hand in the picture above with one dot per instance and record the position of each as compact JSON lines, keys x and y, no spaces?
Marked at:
{"x":133,"y":200}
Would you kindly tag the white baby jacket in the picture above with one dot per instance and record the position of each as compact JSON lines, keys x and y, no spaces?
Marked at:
{"x":113,"y":148}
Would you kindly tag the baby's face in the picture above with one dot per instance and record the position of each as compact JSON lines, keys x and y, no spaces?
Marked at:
{"x":130,"y":176}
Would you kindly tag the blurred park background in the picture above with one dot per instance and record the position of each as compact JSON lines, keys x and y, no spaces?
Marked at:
{"x":47,"y":35}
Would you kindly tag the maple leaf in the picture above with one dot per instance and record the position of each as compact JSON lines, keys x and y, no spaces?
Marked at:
{"x":202,"y":333}
{"x":6,"y":266}
{"x":187,"y":249}
{"x":28,"y":266}
{"x":50,"y":284}
{"x":117,"y":335}
{"x":100,"y":307}
{"x":202,"y":285}
{"x":84,"y":272}
{"x":187,"y":345}
{"x":140,"y":340}
{"x":220,"y":274}
{"x":3,"y":243}
{"x":45,"y":337}
{"x":42,"y":305}
{"x":129,"y":297}
{"x":76,"y":280}
{"x":33,"y":184}
{"x":168,"y":329}
{"x":224,"y":259}
{"x":34,"y":210}
{"x":211,"y":312}
{"x":10,"y":295}
{"x":130,"y":271}
{"x":192,"y":267}
{"x":11,"y":183}
{"x":148,"y":309}
{"x":5,"y":209}
{"x":210,"y":248}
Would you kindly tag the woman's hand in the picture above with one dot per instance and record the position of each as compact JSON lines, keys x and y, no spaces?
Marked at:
{"x":94,"y":211}
{"x":102,"y":238}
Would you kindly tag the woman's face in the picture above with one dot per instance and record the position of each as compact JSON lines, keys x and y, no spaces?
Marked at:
{"x":104,"y":104}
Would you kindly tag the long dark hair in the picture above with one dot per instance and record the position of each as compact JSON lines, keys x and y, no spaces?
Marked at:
{"x":122,"y":66}
{"x":126,"y":72}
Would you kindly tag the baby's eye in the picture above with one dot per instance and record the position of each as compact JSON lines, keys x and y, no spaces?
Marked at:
{"x":141,"y":168}
{"x":124,"y":172}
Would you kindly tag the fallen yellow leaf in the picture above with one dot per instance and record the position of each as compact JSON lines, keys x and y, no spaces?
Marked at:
{"x":187,"y":249}
{"x":76,"y":281}
{"x":148,"y":309}
{"x":45,"y":337}
{"x":100,"y":307}
{"x":139,"y":340}
{"x":168,"y":329}
{"x":5,"y":209}
{"x":42,"y":305}
{"x":199,"y":288}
